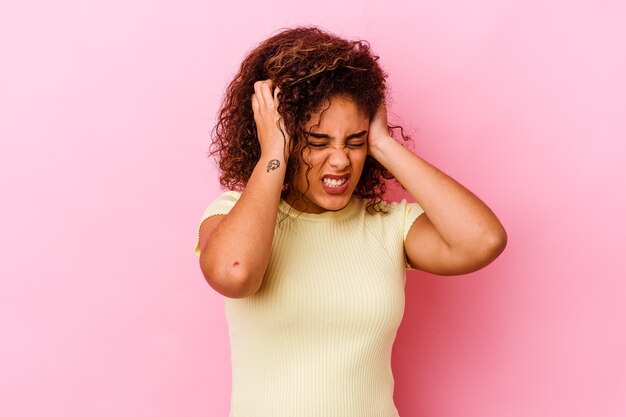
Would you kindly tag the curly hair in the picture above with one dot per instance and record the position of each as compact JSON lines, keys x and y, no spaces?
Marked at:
{"x":310,"y":66}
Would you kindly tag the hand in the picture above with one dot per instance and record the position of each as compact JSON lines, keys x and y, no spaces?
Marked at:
{"x":378,"y":130}
{"x":268,"y":120}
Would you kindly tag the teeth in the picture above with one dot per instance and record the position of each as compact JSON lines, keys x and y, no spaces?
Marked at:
{"x":334,"y":183}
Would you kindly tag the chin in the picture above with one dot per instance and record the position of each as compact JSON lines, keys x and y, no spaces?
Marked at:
{"x":318,"y":200}
{"x":333,"y":203}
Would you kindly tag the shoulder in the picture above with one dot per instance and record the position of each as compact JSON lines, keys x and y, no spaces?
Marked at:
{"x":208,"y":220}
{"x":226,"y":200}
{"x":232,"y":195}
{"x":222,"y":204}
{"x":401,"y":214}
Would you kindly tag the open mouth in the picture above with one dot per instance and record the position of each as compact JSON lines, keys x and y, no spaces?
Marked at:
{"x":334,"y":183}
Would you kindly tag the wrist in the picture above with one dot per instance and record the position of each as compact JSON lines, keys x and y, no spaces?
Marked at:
{"x":382,"y":147}
{"x":267,"y":156}
{"x":272,"y":161}
{"x":275,"y":152}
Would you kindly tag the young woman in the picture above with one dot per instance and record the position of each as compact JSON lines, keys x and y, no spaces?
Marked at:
{"x":310,"y":258}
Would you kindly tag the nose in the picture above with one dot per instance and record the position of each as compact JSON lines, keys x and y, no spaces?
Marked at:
{"x":338,"y":158}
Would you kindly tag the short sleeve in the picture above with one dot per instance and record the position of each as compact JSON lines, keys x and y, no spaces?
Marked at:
{"x":411,"y":212}
{"x":221,"y":205}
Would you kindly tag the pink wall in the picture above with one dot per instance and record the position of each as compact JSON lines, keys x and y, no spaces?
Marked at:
{"x":105,"y":113}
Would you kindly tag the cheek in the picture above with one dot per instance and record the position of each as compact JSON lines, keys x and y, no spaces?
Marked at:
{"x":313,"y":159}
{"x":309,"y":167}
{"x":358,"y":160}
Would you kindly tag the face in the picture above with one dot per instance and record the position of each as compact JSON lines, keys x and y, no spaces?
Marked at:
{"x":336,"y":152}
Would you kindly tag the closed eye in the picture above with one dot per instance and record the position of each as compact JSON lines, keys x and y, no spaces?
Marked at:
{"x":351,"y":142}
{"x":356,"y":145}
{"x":351,"y":145}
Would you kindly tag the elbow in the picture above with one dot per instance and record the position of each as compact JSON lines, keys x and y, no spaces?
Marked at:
{"x":501,"y":240}
{"x":243,"y":284}
{"x":485,"y":250}
{"x":479,"y":253}
{"x":232,"y":281}
{"x":495,"y":243}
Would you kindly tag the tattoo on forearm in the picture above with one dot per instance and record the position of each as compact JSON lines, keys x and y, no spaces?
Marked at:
{"x":272,"y":165}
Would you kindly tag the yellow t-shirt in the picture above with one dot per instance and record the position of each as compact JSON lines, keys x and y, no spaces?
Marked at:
{"x":316,"y":339}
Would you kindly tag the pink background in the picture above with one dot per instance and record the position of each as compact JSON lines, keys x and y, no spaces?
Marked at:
{"x":105,"y":113}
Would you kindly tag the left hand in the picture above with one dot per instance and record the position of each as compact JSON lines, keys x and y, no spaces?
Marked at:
{"x":378,"y":129}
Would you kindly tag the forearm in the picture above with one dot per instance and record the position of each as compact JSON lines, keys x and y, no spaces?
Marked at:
{"x":240,"y":246}
{"x":462,"y":220}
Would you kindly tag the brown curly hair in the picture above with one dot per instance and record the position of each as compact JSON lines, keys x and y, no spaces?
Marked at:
{"x":310,"y":66}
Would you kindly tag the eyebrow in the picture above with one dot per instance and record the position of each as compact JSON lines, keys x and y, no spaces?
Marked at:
{"x":325,"y":136}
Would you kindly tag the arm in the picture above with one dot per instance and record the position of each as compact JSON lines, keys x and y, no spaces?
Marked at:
{"x":457,"y":233}
{"x":235,"y":248}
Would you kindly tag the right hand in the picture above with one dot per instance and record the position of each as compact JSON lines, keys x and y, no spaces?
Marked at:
{"x":267,"y":119}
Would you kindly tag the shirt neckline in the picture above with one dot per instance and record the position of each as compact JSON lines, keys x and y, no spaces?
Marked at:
{"x":328,"y":215}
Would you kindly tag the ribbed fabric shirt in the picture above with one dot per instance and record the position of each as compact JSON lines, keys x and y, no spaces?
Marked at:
{"x":316,"y":339}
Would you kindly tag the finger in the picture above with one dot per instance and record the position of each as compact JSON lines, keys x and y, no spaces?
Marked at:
{"x":276,"y":91}
{"x":255,"y":103}
{"x":259,"y":93}
{"x":266,"y":88}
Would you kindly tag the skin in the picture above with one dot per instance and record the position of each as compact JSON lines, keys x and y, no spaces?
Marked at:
{"x":337,"y":146}
{"x":235,"y":248}
{"x":456,"y":234}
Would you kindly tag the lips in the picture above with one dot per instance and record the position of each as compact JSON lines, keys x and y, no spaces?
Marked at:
{"x":335,"y":184}
{"x":335,"y":177}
